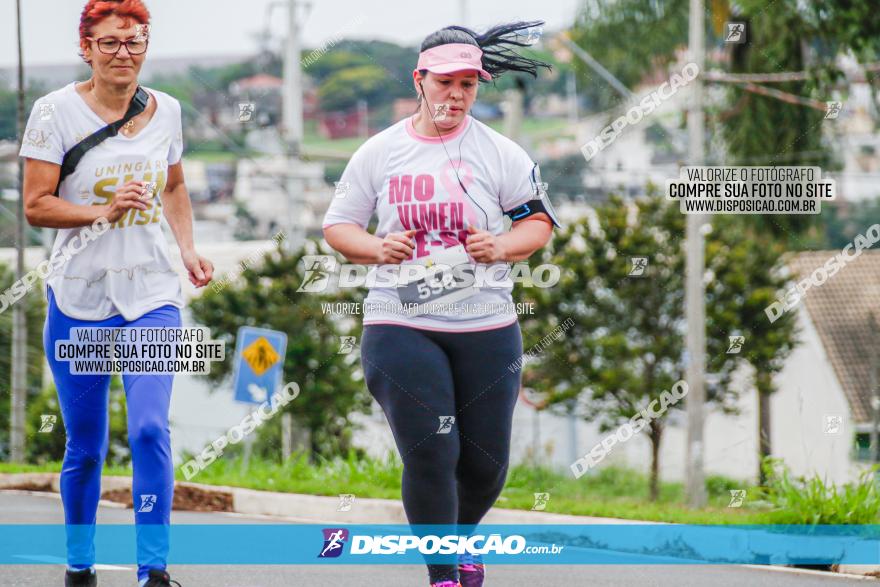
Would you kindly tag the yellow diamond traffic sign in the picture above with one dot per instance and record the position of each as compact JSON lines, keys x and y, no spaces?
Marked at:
{"x":260,"y":355}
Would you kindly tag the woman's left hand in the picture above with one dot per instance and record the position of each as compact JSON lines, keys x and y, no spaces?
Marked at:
{"x":484,"y":246}
{"x":201,"y":271}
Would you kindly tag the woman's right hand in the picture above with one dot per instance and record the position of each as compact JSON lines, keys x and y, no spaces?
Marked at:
{"x":130,"y":195}
{"x":396,"y":247}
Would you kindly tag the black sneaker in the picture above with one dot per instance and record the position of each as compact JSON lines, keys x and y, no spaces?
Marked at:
{"x":160,"y":578}
{"x":83,"y":578}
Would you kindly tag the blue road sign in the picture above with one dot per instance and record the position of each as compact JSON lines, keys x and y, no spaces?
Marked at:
{"x":259,"y":363}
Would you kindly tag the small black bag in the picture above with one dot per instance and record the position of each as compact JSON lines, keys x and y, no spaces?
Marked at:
{"x":73,"y":156}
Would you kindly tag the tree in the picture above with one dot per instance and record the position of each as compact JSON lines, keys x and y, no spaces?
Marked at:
{"x":746,"y":278}
{"x":343,"y":89}
{"x":626,"y":343}
{"x":331,"y":387}
{"x":35,"y":316}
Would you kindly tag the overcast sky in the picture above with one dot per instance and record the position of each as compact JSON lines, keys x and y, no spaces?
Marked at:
{"x":230,"y":27}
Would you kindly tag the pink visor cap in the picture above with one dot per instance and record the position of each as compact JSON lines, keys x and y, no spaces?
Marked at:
{"x":453,"y":57}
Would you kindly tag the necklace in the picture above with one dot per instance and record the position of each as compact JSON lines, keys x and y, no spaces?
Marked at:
{"x":128,"y":126}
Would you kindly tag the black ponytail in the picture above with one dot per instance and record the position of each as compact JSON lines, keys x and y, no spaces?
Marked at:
{"x":496,"y":43}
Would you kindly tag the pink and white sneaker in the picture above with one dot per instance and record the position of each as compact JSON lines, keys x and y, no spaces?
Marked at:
{"x":471,"y":570}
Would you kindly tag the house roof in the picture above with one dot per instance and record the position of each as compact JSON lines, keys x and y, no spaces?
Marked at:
{"x":841,"y":310}
{"x":259,"y":81}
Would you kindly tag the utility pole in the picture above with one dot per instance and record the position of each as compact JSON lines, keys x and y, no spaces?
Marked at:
{"x":581,"y":54}
{"x":874,"y":366}
{"x":292,"y":125}
{"x":513,"y":110}
{"x":292,"y":121}
{"x":571,"y":90}
{"x":694,"y":290}
{"x":19,"y":310}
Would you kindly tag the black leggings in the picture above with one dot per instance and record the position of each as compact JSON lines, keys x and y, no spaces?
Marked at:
{"x":420,"y":377}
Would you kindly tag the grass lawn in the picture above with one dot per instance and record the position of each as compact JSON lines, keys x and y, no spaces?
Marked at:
{"x":54,"y":467}
{"x":611,"y":492}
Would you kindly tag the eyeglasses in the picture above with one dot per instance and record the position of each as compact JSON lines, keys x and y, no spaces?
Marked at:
{"x":111,"y":45}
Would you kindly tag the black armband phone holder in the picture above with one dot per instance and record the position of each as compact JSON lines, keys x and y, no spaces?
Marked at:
{"x":531,"y":207}
{"x":540,"y":203}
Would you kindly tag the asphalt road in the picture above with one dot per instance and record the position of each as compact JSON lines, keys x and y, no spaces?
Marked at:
{"x":23,"y":508}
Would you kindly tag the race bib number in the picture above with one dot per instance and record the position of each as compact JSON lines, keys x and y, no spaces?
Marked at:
{"x":446,"y":277}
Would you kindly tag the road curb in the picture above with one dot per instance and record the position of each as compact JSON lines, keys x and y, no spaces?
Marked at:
{"x":319,"y":508}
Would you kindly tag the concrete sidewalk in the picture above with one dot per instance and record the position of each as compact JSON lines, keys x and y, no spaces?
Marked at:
{"x":316,"y":508}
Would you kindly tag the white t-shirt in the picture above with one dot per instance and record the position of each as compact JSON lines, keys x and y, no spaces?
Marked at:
{"x":126,"y":270}
{"x":408,"y":180}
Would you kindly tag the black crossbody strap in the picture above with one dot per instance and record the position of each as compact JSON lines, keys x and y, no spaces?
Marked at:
{"x":73,"y":156}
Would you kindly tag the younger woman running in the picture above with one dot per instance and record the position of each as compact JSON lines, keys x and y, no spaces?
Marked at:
{"x":441,"y":183}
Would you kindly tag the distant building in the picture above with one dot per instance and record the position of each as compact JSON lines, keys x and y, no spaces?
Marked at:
{"x":346,"y":124}
{"x":264,"y":92}
{"x":261,"y":189}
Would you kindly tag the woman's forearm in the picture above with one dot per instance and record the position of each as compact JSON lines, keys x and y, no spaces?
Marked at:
{"x":51,"y":212}
{"x":178,"y":212}
{"x":525,"y":237}
{"x":356,"y":244}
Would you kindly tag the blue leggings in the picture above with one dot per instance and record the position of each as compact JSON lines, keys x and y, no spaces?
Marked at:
{"x":84,"y":401}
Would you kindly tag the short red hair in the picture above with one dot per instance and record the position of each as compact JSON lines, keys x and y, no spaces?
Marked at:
{"x":97,"y":10}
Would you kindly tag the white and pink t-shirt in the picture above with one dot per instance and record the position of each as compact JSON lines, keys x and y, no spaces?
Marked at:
{"x":409,"y":181}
